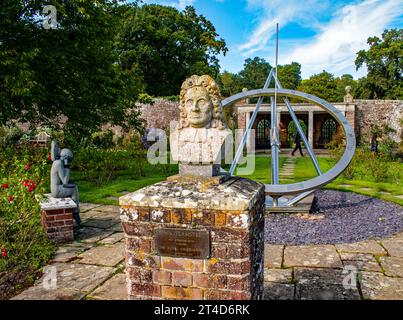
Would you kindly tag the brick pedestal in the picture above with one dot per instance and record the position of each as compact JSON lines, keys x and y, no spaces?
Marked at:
{"x":57,"y":219}
{"x":232,"y":214}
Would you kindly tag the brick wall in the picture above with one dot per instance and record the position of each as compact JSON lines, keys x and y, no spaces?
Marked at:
{"x":58,"y":224}
{"x":234,"y":270}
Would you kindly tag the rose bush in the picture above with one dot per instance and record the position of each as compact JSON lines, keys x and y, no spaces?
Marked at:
{"x":23,"y":244}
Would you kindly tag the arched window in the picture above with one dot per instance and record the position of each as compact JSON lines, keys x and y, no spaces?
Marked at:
{"x":292,"y":131}
{"x":263,"y":134}
{"x":329,"y":128}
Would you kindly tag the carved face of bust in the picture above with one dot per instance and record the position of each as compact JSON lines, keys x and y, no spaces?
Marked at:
{"x":199,"y":107}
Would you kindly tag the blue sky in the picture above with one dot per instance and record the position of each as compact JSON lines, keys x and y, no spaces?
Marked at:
{"x":319,"y":34}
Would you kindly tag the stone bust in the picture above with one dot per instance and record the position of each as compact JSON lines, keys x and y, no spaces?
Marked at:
{"x":60,"y":186}
{"x":198,"y":142}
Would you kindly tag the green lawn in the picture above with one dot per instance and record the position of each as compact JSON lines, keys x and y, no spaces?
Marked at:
{"x":304,"y":169}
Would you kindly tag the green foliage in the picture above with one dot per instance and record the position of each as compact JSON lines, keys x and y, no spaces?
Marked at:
{"x":229,"y":84}
{"x":166,"y":46}
{"x":22,"y":237}
{"x":145,"y":98}
{"x":103,"y":139}
{"x":100,"y":167}
{"x":322,"y":85}
{"x":292,"y":131}
{"x":71,"y":70}
{"x":9,"y":136}
{"x":290,"y":75}
{"x":254,"y":75}
{"x":385,"y":66}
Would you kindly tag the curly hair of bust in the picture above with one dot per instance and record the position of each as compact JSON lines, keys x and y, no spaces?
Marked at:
{"x":213,"y":91}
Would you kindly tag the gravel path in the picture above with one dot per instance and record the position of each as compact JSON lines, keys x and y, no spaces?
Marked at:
{"x":339,"y":217}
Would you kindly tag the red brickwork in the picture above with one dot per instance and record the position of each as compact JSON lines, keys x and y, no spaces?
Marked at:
{"x":234,"y":270}
{"x":58,"y":224}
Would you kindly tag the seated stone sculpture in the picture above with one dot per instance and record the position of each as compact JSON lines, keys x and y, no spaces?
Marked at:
{"x":60,"y":186}
{"x":198,"y":142}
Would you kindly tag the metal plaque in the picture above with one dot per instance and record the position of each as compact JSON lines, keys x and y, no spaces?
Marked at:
{"x":183,"y":243}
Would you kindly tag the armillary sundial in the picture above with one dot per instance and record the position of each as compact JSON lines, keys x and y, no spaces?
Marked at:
{"x":291,"y":194}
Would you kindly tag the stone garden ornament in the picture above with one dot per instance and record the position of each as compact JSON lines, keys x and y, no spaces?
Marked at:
{"x":60,"y":186}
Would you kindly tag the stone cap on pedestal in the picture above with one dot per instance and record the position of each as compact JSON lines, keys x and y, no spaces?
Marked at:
{"x":235,"y":194}
{"x":51,"y":203}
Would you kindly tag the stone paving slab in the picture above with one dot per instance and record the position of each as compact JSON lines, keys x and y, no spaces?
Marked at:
{"x":100,"y":222}
{"x":324,"y":291}
{"x":363,"y":265}
{"x":318,"y":275}
{"x":394,"y":246}
{"x":117,"y":228}
{"x":278,"y":291}
{"x":74,"y":281}
{"x":273,"y":255}
{"x":312,"y":256}
{"x":376,"y":286}
{"x":393,"y":266}
{"x":103,"y":256}
{"x":115,"y":237}
{"x":91,"y":235}
{"x":278,"y":275}
{"x":357,"y":256}
{"x":108,"y":208}
{"x":68,"y":253}
{"x":369,"y":246}
{"x":88,"y":215}
{"x":112,"y":289}
{"x":84,"y":207}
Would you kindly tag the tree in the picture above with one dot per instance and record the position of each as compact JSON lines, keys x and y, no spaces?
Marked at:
{"x":341,"y":84}
{"x":71,"y":70}
{"x":384,"y":64}
{"x":228,"y":83}
{"x":290,"y":75}
{"x":254,"y":73}
{"x":322,"y":85}
{"x":168,"y":45}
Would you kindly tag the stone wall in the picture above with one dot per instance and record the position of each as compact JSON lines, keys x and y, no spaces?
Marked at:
{"x":379,"y":112}
{"x":160,"y":114}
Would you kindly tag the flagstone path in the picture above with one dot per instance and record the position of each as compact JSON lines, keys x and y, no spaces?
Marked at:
{"x":287,"y":170}
{"x":93,"y":266}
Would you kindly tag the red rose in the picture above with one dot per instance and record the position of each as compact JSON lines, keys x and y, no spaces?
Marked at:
{"x":4,"y":185}
{"x":50,"y":157}
{"x":31,"y":187}
{"x":28,"y":167}
{"x":26,"y":183}
{"x":11,"y":199}
{"x":4,"y":253}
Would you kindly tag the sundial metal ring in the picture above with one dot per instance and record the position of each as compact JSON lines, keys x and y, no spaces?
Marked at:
{"x":304,"y":188}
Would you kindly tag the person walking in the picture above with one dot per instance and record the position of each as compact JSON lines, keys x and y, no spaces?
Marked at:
{"x":374,"y":145}
{"x":298,"y":146}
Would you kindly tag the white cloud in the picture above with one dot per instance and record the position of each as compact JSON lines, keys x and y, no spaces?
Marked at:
{"x":180,"y":4}
{"x":334,"y":48}
{"x":282,"y":12}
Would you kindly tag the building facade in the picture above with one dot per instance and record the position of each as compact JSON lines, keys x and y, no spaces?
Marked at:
{"x":319,"y":126}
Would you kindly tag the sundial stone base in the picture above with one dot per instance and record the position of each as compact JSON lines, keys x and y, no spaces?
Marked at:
{"x":304,"y":206}
{"x":57,"y":218}
{"x":186,"y":241}
{"x":200,"y":170}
